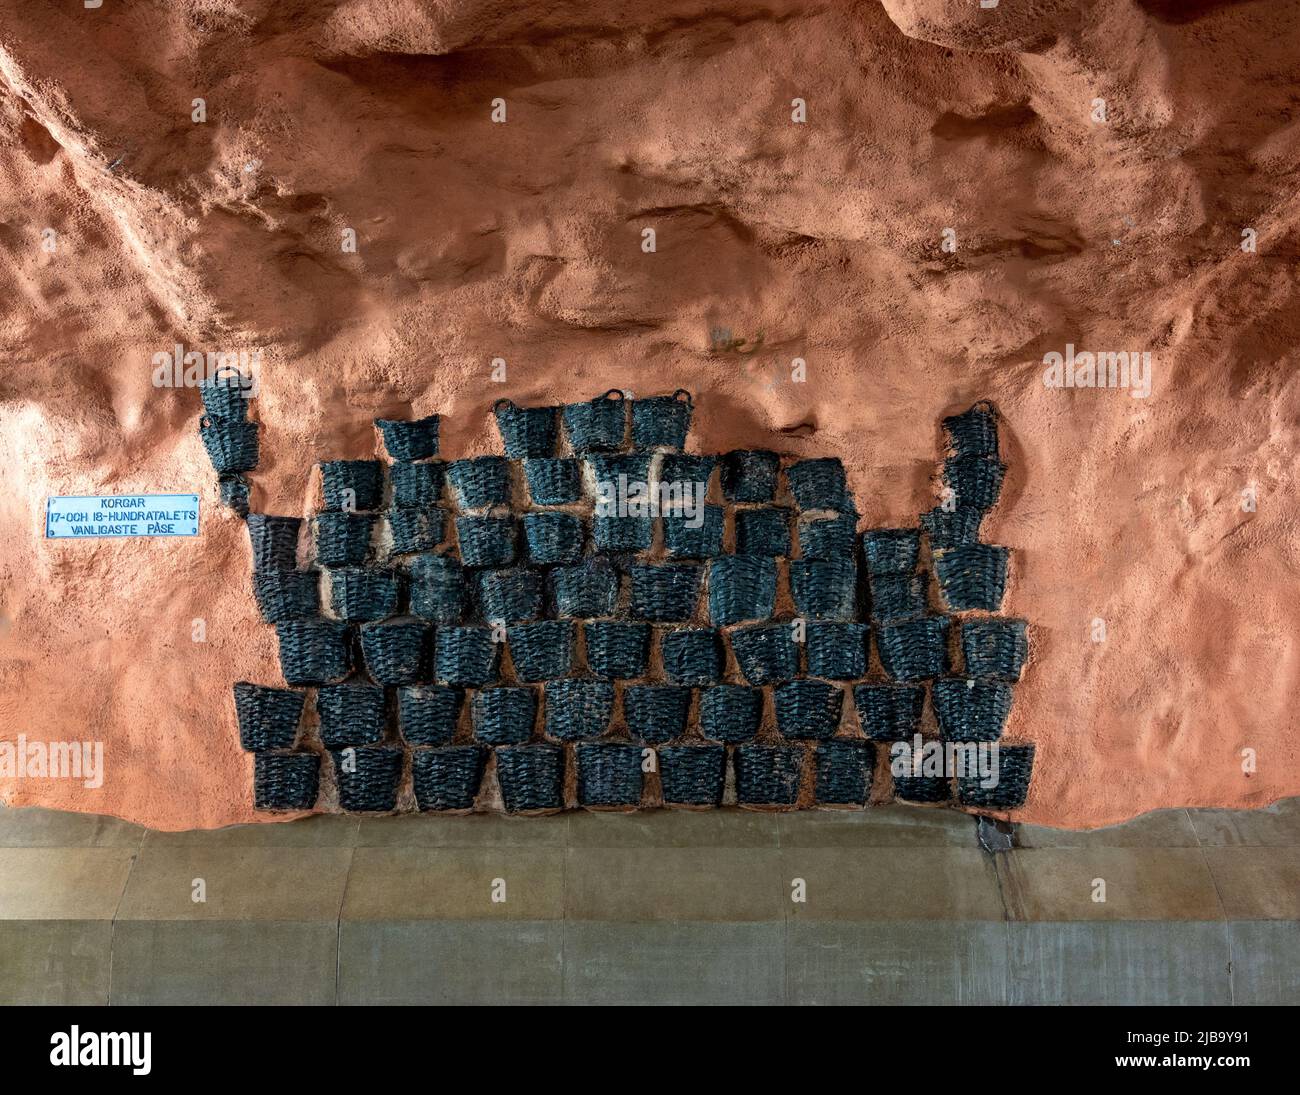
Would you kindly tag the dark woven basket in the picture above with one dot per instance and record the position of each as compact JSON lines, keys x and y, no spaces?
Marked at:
{"x":807,"y":709}
{"x":352,"y":485}
{"x":287,"y":594}
{"x":397,"y":651}
{"x":543,"y":650}
{"x":268,"y":717}
{"x":891,"y":550}
{"x":741,"y":587}
{"x":368,"y":777}
{"x":693,"y":775}
{"x":768,"y":775}
{"x":511,"y":596}
{"x":914,"y":650}
{"x":617,"y":649}
{"x":343,"y":539}
{"x":408,"y":440}
{"x":820,"y":483}
{"x":825,"y":589}
{"x":286,"y":781}
{"x":837,"y":651}
{"x":662,"y":421}
{"x":995,"y":648}
{"x":975,"y":480}
{"x":730,"y":712}
{"x":615,"y":472}
{"x":889,"y":712}
{"x":692,"y":655}
{"x":428,"y":714}
{"x":503,"y":716}
{"x":417,"y":485}
{"x":974,"y":432}
{"x":447,"y":778}
{"x":578,"y":708}
{"x":598,"y":425}
{"x":588,"y":589}
{"x":350,"y":714}
{"x":480,"y":481}
{"x":828,"y":538}
{"x":750,"y":475}
{"x":665,"y":592}
{"x":437,"y":588}
{"x":656,"y":712}
{"x":486,"y":541}
{"x":234,"y":493}
{"x":226,"y":395}
{"x":1015,"y":769}
{"x":415,"y":530}
{"x":923,"y":788}
{"x":898,"y":597}
{"x":844,"y":767}
{"x":609,"y":773}
{"x":973,"y":576}
{"x":763,"y":531}
{"x":553,"y":480}
{"x":527,"y":431}
{"x":687,"y":477}
{"x":531,"y":777}
{"x":766,"y":653}
{"x":359,"y":593}
{"x":274,"y":541}
{"x":621,"y":535}
{"x":697,"y":536}
{"x":314,"y":651}
{"x":946,"y":528}
{"x":231,"y":445}
{"x":553,"y":538}
{"x":971,"y":710}
{"x":465,"y":655}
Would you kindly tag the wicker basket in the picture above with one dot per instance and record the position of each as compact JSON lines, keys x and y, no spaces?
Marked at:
{"x":692,"y":655}
{"x":268,"y":717}
{"x":768,"y":775}
{"x":598,"y":425}
{"x":825,"y":589}
{"x":687,"y":476}
{"x":586,"y":590}
{"x":531,"y":777}
{"x":1015,"y":769}
{"x":286,"y":781}
{"x":351,"y":714}
{"x":807,"y":710}
{"x":314,"y":651}
{"x":662,"y":421}
{"x":437,"y":588}
{"x":828,"y":538}
{"x":741,"y":587}
{"x":511,"y":596}
{"x":417,"y":486}
{"x":665,"y":593}
{"x":503,"y":716}
{"x":693,"y":775}
{"x":578,"y":708}
{"x":975,"y":480}
{"x":225,"y":396}
{"x":621,"y":535}
{"x":465,"y":656}
{"x":480,"y":481}
{"x":730,"y":712}
{"x":889,"y":712}
{"x":617,"y":649}
{"x":447,"y":778}
{"x":359,"y":593}
{"x":352,"y":485}
{"x":287,"y":594}
{"x":234,"y":493}
{"x":486,"y":541}
{"x":343,"y":539}
{"x":945,"y":529}
{"x":231,"y":445}
{"x":415,"y":530}
{"x":609,"y":773}
{"x":542,"y":651}
{"x":996,"y":649}
{"x":914,"y":650}
{"x":898,"y":597}
{"x":837,"y":651}
{"x":406,"y":441}
{"x":527,"y":431}
{"x":766,"y":653}
{"x":971,"y":710}
{"x":750,"y":475}
{"x":843,"y":771}
{"x":931,"y":789}
{"x":694,"y":537}
{"x":972,"y":577}
{"x":428,"y":714}
{"x":274,"y":541}
{"x":974,"y":432}
{"x":397,"y":651}
{"x":764,"y":530}
{"x":607,"y":470}
{"x":368,"y":777}
{"x":890,"y":550}
{"x":553,"y":538}
{"x":820,"y":484}
{"x":656,"y":712}
{"x":553,"y":480}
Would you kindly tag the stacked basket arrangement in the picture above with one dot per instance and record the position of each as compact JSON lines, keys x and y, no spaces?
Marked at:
{"x":598,"y":619}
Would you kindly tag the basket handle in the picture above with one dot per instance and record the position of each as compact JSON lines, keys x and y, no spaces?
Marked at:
{"x":677,"y":395}
{"x":503,"y":402}
{"x":611,"y":393}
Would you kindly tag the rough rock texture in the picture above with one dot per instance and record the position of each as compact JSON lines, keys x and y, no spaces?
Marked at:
{"x":522,"y":241}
